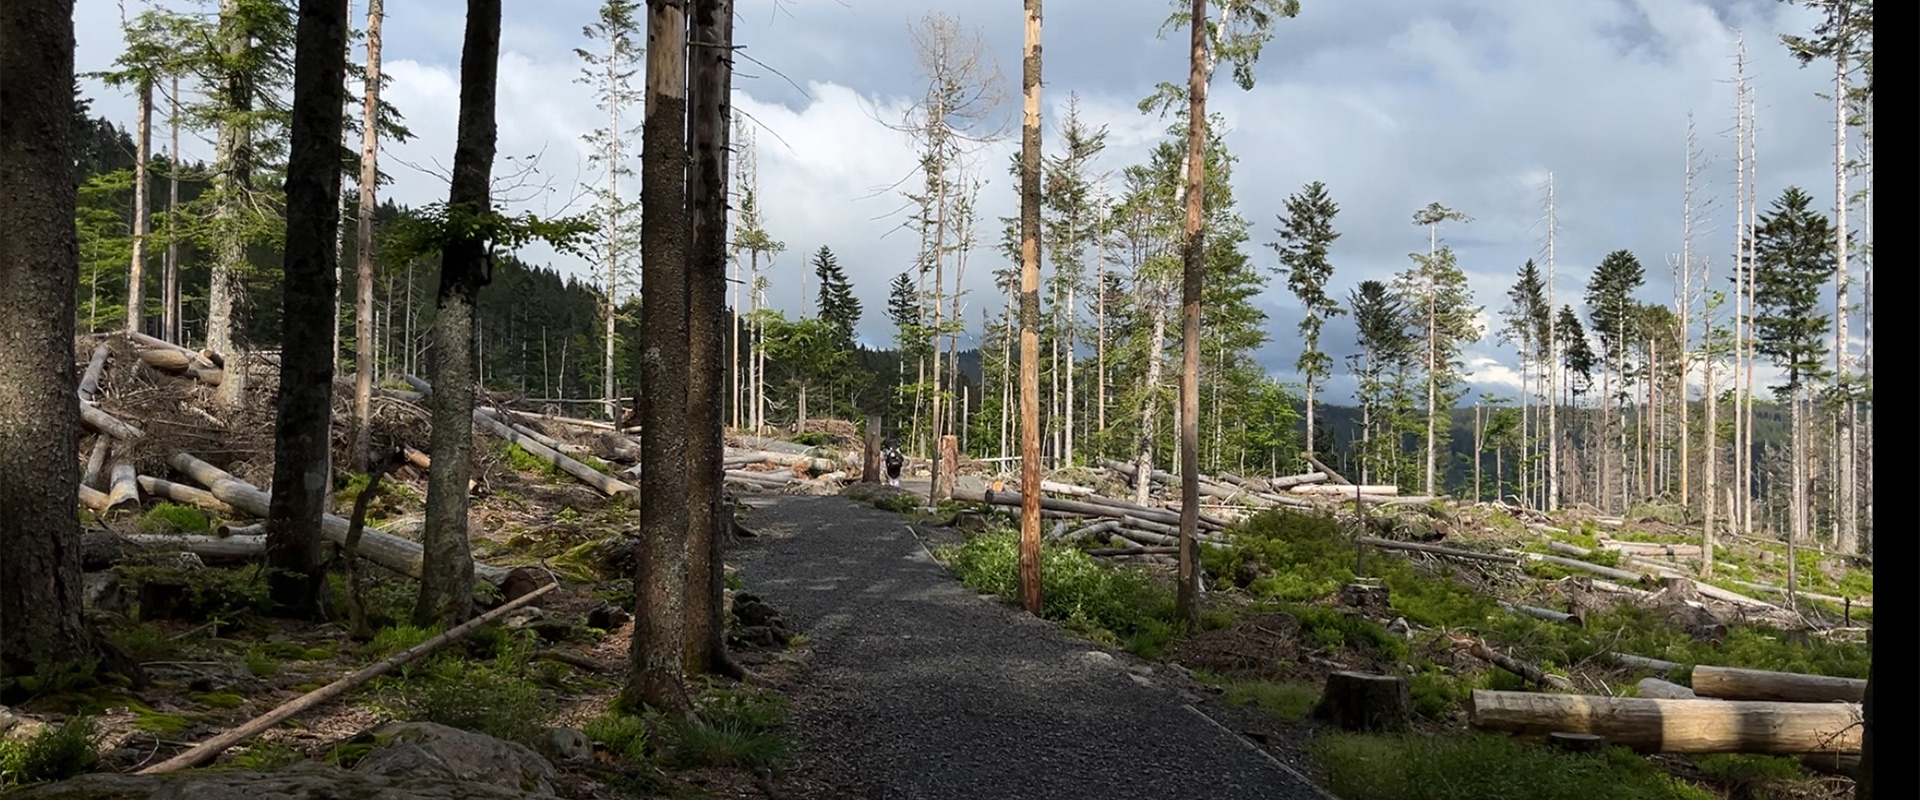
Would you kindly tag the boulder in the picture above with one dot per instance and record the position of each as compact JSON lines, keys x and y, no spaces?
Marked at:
{"x":426,"y":749}
{"x":565,"y":745}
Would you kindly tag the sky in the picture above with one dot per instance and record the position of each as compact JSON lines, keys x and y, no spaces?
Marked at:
{"x":1393,"y":104}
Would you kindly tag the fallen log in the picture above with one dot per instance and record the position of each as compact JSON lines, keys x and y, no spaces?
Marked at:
{"x":1675,"y":551}
{"x":1863,"y":602}
{"x":90,"y":379}
{"x":418,"y":459}
{"x":1065,"y":488}
{"x":1606,"y":572}
{"x":103,"y":422}
{"x":1676,"y":726}
{"x":382,"y":548}
{"x":811,"y":464}
{"x":1165,"y":530}
{"x":1331,"y":474}
{"x":1630,"y":660}
{"x":1379,"y":490}
{"x":1096,"y":529}
{"x":1656,"y":689}
{"x":97,"y":460}
{"x":1388,"y":544}
{"x":1144,"y":537}
{"x":607,"y":484}
{"x":1547,"y":614}
{"x":94,"y":500}
{"x":237,"y":548}
{"x":1136,"y":550}
{"x":1733,"y":683}
{"x":425,"y":389}
{"x":218,"y":744}
{"x":1531,"y":673}
{"x":402,"y":394}
{"x":574,"y":421}
{"x":123,"y":485}
{"x":761,"y":478}
{"x":205,"y":366}
{"x":1290,"y":481}
{"x":182,"y":493}
{"x":1094,"y":506}
{"x":255,"y":529}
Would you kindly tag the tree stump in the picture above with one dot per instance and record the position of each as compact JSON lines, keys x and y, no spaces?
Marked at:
{"x":1357,"y":701}
{"x":164,"y":600}
{"x":1577,"y":742}
{"x":1364,"y":594}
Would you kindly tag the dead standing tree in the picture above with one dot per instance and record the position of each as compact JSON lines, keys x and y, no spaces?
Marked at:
{"x":1030,"y":316}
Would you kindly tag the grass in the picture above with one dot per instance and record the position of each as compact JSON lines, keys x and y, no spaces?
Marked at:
{"x":1292,"y":701}
{"x":737,"y":727}
{"x":497,"y":693}
{"x":55,"y":753}
{"x":1476,"y":766}
{"x":520,"y":459}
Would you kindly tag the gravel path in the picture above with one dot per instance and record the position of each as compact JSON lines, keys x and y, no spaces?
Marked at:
{"x":920,"y":688}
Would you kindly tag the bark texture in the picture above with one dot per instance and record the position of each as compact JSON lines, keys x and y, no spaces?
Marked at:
{"x":656,"y":674}
{"x":1190,"y":288}
{"x":711,"y":56}
{"x":304,"y":412}
{"x":1030,"y":317}
{"x":446,"y":582}
{"x":232,"y":181}
{"x":363,"y":340}
{"x":39,"y":271}
{"x":142,"y":208}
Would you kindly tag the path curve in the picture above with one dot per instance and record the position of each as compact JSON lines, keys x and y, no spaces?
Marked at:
{"x":919,"y":688}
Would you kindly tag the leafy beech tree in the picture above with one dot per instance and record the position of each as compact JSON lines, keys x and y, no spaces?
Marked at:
{"x":40,"y":584}
{"x":838,"y":306}
{"x":1306,"y":235}
{"x":1793,"y":257}
{"x":1611,"y":307}
{"x":610,"y":71}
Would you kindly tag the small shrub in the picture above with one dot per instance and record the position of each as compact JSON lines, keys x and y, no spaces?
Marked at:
{"x":722,"y":744}
{"x":523,"y":461}
{"x":813,"y":438}
{"x":268,"y":757}
{"x":1477,"y":766}
{"x":624,"y":734}
{"x":175,"y":518}
{"x":1132,"y":605}
{"x":259,"y":663}
{"x":1333,"y":630}
{"x":1748,"y":772}
{"x":220,"y":699}
{"x":55,"y":753}
{"x":145,"y":642}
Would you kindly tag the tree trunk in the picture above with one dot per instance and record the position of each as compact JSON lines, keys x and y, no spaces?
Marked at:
{"x":446,"y":585}
{"x":363,"y":338}
{"x":658,"y":653}
{"x":170,"y":279}
{"x":296,"y":577}
{"x":1193,"y":275}
{"x":1149,"y":411}
{"x":142,"y":208}
{"x":1030,"y":315}
{"x":232,"y":182}
{"x":40,"y":623}
{"x":711,"y":40}
{"x":1731,"y":683}
{"x":1676,"y":726}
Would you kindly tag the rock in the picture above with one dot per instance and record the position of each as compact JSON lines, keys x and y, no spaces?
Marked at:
{"x":754,"y":612}
{"x":1400,"y":627}
{"x":552,"y":631}
{"x":608,"y":617}
{"x":101,"y":591}
{"x":431,"y":750}
{"x":565,"y":744}
{"x":759,"y":636}
{"x":306,"y":781}
{"x":522,"y":618}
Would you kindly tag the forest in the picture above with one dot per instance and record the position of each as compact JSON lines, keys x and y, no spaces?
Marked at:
{"x":356,"y":381}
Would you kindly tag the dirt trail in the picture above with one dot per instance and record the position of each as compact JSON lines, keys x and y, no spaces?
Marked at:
{"x":920,"y":688}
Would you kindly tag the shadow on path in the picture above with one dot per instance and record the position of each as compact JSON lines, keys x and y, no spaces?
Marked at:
{"x":920,"y":688}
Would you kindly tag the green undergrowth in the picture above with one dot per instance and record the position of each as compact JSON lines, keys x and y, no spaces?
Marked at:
{"x":167,"y":517}
{"x":1113,"y":605}
{"x":521,"y":460}
{"x":1475,"y":766}
{"x":1290,"y":701}
{"x":55,"y":753}
{"x":489,"y":685}
{"x":738,"y":727}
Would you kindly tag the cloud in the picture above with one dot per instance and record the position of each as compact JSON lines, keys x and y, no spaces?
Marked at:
{"x":1392,"y":103}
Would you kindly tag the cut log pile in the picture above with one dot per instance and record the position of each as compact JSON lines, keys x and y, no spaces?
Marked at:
{"x":1727,"y":710}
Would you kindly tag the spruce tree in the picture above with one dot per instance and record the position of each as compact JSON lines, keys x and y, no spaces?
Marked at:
{"x":1306,"y":234}
{"x":838,"y":306}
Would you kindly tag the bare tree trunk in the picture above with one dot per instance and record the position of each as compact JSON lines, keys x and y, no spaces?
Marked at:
{"x":1479,"y":449}
{"x":232,"y":182}
{"x":1029,"y":316}
{"x":40,"y":604}
{"x":710,"y":40}
{"x":1193,"y":276}
{"x":142,"y":209}
{"x":656,"y":672}
{"x":1553,"y":366}
{"x":446,"y":582}
{"x":363,"y":366}
{"x":296,"y":578}
{"x":1100,"y":317}
{"x":1149,"y":411}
